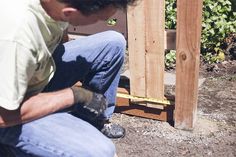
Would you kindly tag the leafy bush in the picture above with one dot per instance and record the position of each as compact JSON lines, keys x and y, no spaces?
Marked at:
{"x":171,"y":13}
{"x":219,"y":20}
{"x":170,"y":59}
{"x":170,"y":23}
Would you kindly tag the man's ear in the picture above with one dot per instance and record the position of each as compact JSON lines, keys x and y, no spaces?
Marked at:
{"x":68,"y":11}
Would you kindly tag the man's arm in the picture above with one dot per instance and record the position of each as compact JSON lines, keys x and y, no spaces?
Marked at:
{"x":44,"y":104}
{"x":36,"y":107}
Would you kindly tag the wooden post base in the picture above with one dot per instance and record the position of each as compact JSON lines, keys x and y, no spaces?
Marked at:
{"x":126,"y":107}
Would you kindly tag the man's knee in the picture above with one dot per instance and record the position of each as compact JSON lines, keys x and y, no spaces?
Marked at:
{"x":108,"y":149}
{"x":101,"y":148}
{"x":117,"y":45}
{"x":116,"y":40}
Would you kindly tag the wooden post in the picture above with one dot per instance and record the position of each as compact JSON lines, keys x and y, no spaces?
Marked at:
{"x":189,"y":17}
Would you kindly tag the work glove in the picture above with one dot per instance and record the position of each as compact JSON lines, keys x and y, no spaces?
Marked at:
{"x":93,"y":102}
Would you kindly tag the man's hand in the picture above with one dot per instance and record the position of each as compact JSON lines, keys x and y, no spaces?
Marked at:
{"x":94,"y":102}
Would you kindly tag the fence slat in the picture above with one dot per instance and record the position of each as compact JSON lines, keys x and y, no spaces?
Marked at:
{"x":189,"y":16}
{"x":136,"y":39}
{"x":155,"y":48}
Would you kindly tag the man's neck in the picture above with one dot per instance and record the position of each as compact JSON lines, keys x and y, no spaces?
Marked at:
{"x":52,"y":8}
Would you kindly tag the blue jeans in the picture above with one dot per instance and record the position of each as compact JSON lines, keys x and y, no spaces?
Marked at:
{"x":96,"y":61}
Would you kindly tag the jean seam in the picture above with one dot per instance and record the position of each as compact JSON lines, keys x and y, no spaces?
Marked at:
{"x":109,"y":64}
{"x":102,"y":77}
{"x":44,"y":147}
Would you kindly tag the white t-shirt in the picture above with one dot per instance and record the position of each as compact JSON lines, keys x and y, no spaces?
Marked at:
{"x":28,"y":36}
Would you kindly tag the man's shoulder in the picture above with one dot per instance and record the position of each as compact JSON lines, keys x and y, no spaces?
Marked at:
{"x":14,"y":19}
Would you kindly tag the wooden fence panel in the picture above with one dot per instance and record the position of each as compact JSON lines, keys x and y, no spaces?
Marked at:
{"x":189,"y":16}
{"x":146,"y":48}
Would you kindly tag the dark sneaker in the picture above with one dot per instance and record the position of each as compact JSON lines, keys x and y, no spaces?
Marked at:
{"x":112,"y":130}
{"x":107,"y":128}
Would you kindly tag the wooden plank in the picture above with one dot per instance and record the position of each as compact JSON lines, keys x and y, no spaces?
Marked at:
{"x":123,"y":106}
{"x":136,"y":40}
{"x":102,"y":25}
{"x":155,"y":28}
{"x":169,"y":36}
{"x":189,"y":17}
{"x":126,"y":107}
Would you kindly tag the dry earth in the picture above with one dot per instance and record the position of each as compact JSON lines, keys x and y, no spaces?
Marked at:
{"x":214,"y":133}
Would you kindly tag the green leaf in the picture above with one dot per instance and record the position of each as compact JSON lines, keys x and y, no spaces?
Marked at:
{"x":219,"y":19}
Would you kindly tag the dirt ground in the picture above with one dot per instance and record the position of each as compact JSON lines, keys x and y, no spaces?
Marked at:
{"x":214,"y":133}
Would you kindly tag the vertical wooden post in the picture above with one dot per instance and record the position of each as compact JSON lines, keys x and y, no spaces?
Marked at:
{"x":189,"y":16}
{"x":146,"y":27}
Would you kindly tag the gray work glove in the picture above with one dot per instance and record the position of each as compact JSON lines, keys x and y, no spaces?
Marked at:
{"x":94,"y":102}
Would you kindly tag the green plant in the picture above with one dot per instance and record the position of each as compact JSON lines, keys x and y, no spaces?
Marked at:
{"x":170,"y":59}
{"x":214,"y":58}
{"x":219,"y":20}
{"x":170,"y":14}
{"x":170,"y":23}
{"x":111,"y":22}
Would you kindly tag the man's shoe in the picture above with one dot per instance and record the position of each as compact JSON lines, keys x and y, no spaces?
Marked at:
{"x":112,"y":130}
{"x":107,"y":128}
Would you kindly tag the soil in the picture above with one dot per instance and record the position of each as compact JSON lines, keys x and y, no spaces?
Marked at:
{"x":213,"y":135}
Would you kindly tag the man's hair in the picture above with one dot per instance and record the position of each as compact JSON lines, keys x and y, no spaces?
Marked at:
{"x":92,"y":6}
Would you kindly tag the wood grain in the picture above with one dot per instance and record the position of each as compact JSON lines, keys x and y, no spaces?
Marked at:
{"x":189,"y":16}
{"x":136,"y":40}
{"x":155,"y":29}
